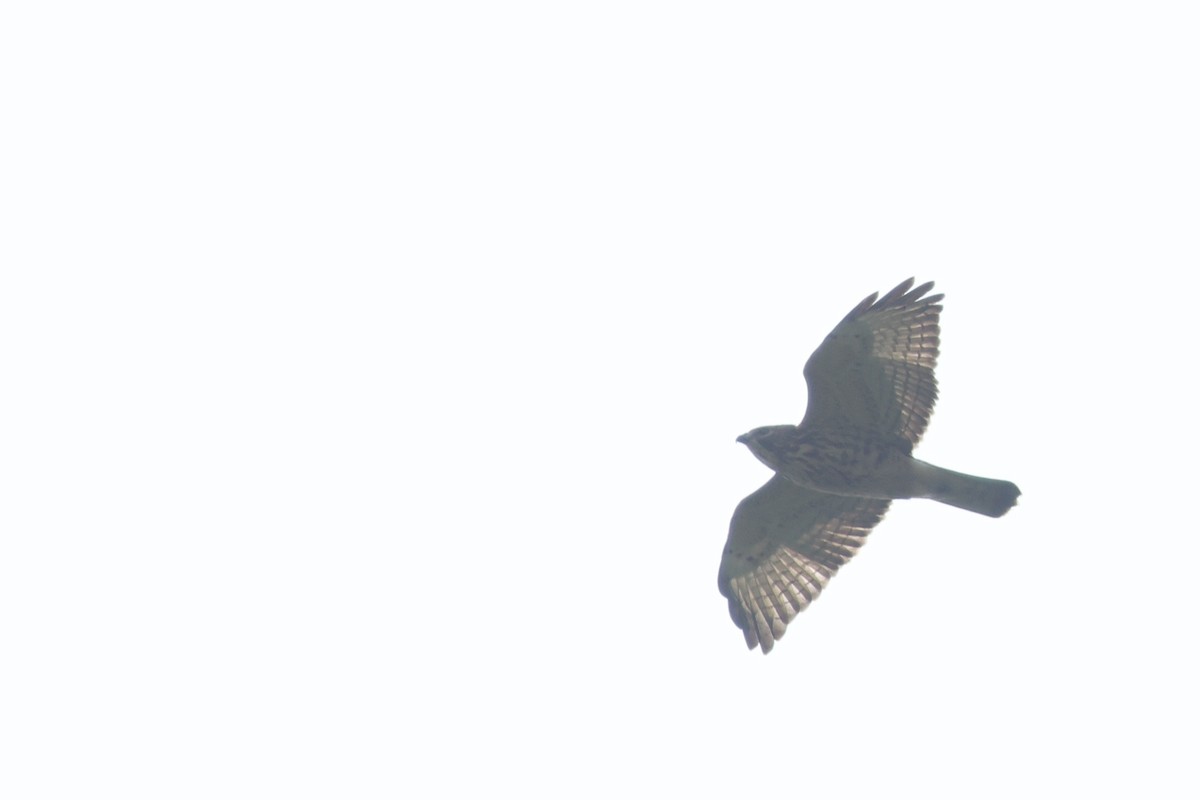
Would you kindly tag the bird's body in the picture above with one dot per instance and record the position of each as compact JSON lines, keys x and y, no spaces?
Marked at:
{"x":871,"y":392}
{"x":856,"y":463}
{"x":846,"y":461}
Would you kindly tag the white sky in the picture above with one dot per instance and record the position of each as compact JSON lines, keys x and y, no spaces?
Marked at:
{"x":370,"y":381}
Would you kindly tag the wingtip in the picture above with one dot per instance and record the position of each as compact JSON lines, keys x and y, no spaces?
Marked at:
{"x":922,"y":289}
{"x":902,"y":295}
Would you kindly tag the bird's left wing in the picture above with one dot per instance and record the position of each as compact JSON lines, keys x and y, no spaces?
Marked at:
{"x":785,"y":543}
{"x":874,"y":371}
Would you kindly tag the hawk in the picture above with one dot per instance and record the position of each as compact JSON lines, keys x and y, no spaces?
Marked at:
{"x":871,"y":391}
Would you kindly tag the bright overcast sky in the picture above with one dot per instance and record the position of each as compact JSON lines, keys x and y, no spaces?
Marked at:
{"x":371,"y":379}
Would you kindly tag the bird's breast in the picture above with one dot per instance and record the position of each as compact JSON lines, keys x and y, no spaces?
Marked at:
{"x":847,"y":462}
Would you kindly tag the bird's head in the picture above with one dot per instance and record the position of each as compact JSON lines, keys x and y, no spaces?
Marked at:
{"x":769,"y":443}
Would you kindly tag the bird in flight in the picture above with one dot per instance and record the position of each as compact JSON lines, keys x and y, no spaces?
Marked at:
{"x":871,"y":391}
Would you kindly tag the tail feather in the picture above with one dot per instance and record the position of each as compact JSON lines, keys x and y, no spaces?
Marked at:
{"x":981,"y":495}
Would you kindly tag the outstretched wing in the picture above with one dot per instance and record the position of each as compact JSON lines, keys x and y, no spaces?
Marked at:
{"x":785,"y":543}
{"x":874,"y":371}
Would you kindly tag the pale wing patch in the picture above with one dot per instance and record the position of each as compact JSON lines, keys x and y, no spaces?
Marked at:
{"x":762,"y":602}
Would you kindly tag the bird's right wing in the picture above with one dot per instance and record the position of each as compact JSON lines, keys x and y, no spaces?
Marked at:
{"x":785,"y":543}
